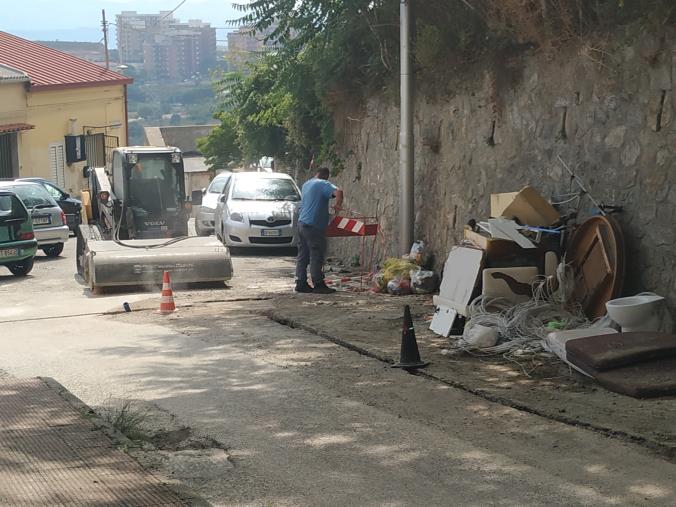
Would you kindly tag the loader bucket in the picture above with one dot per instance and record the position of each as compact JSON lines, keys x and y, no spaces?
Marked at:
{"x":191,"y":260}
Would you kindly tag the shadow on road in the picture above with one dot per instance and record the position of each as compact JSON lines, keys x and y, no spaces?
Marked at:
{"x":263,"y":252}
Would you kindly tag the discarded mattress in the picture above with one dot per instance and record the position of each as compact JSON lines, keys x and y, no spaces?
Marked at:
{"x":643,"y":380}
{"x":555,"y":342}
{"x":607,"y":352}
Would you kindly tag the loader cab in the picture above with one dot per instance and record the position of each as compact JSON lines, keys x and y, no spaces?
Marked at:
{"x":151,"y":187}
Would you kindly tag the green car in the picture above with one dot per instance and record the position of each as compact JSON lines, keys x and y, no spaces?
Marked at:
{"x":17,"y":241}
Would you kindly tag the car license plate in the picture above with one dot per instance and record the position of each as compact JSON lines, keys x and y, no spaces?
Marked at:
{"x":271,"y":232}
{"x":9,"y":252}
{"x":41,"y":220}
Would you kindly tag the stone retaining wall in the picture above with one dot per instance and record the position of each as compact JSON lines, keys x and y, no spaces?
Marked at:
{"x":609,"y":113}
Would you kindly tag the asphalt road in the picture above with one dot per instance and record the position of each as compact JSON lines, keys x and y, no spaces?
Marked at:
{"x":306,"y":422}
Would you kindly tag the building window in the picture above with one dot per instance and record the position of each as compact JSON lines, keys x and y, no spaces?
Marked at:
{"x":9,"y":157}
{"x":57,"y":152}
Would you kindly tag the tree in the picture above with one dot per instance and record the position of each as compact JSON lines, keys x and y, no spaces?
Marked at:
{"x":175,"y":119}
{"x":136,"y":133}
{"x":329,"y":52}
{"x":221,"y":147}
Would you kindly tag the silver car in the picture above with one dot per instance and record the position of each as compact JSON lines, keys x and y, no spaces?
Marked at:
{"x":49,"y":221}
{"x":258,"y":209}
{"x":204,"y":222}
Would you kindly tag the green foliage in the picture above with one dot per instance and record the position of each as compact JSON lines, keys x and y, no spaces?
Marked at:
{"x":221,"y":147}
{"x":136,"y":133}
{"x":324,"y":50}
{"x":331,"y":54}
{"x":126,"y":418}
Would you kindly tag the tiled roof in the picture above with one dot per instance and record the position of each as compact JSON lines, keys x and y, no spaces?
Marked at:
{"x":8,"y":73}
{"x":15,"y":127}
{"x":50,"y":69}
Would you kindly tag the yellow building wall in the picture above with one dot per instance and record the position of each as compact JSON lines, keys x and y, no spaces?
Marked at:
{"x":51,"y":110}
{"x":12,"y":103}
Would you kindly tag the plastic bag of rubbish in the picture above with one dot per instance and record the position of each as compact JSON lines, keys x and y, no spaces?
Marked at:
{"x":399,"y":286}
{"x":480,"y":336}
{"x":394,"y":267}
{"x":417,"y":251}
{"x":379,"y":282}
{"x":423,"y":281}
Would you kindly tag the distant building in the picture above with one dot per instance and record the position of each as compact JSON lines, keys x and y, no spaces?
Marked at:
{"x":180,"y":51}
{"x":133,"y":29}
{"x":245,"y":45}
{"x":58,"y":113}
{"x":168,"y":49}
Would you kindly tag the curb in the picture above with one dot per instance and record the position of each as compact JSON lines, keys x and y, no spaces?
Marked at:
{"x":121,"y":441}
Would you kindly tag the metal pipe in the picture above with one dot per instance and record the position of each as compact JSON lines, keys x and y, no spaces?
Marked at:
{"x":406,"y":141}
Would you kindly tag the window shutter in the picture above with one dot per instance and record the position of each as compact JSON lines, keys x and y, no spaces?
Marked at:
{"x":57,"y":154}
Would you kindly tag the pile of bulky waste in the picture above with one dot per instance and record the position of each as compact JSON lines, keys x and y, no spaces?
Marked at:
{"x":534,"y":278}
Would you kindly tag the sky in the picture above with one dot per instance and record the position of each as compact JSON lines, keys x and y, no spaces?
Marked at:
{"x":80,"y":20}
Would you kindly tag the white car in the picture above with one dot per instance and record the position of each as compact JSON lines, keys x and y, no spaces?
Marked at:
{"x":204,"y":222}
{"x":258,"y":209}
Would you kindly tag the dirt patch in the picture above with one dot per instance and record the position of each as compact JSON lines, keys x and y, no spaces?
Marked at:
{"x":190,"y":462}
{"x":371,"y":324}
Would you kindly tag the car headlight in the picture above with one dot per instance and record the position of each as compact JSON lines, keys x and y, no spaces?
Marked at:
{"x":236,"y":217}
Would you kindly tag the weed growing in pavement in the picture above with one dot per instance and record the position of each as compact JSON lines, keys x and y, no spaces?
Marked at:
{"x":126,"y":418}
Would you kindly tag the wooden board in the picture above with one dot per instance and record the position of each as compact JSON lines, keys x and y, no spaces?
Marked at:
{"x":596,"y":254}
{"x":461,"y":274}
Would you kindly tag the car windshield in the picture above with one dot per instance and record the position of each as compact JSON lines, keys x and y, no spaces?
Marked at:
{"x":11,"y":208}
{"x":265,"y":189}
{"x":218,"y":185}
{"x":33,"y":195}
{"x":153,"y":184}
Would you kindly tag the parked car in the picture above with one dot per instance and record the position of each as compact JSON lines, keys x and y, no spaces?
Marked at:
{"x":70,"y":206}
{"x":258,"y":209}
{"x":204,"y":222}
{"x":17,"y":240}
{"x":49,"y":221}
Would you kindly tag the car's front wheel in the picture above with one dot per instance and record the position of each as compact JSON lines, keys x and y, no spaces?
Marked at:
{"x":53,"y":250}
{"x":21,"y":268}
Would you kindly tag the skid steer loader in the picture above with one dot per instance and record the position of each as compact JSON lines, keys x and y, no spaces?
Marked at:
{"x":137,"y":224}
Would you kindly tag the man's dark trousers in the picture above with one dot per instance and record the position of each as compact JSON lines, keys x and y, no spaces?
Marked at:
{"x":312,"y":251}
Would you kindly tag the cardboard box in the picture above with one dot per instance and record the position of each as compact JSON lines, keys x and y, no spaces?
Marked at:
{"x":526,"y":206}
{"x":494,"y":248}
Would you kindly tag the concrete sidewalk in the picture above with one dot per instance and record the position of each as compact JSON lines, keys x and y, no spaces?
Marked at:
{"x":51,"y":455}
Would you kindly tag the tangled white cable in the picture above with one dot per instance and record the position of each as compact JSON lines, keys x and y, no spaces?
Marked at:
{"x":523,"y":326}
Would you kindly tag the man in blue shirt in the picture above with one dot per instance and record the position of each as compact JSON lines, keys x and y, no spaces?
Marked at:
{"x":313,"y":220}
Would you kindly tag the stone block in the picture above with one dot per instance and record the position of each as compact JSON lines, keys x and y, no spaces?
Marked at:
{"x":615,"y":137}
{"x":630,"y":153}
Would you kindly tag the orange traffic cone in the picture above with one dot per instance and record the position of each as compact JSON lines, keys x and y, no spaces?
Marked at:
{"x":167,"y":304}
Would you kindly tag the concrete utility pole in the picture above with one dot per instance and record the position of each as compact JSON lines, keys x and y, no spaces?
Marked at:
{"x":406,"y":142}
{"x":104,"y":25}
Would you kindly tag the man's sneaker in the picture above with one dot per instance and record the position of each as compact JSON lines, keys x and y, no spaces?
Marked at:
{"x":305,"y":288}
{"x":321,"y":288}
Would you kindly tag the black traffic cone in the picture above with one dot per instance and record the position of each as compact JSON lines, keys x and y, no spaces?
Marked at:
{"x":410,"y":356}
